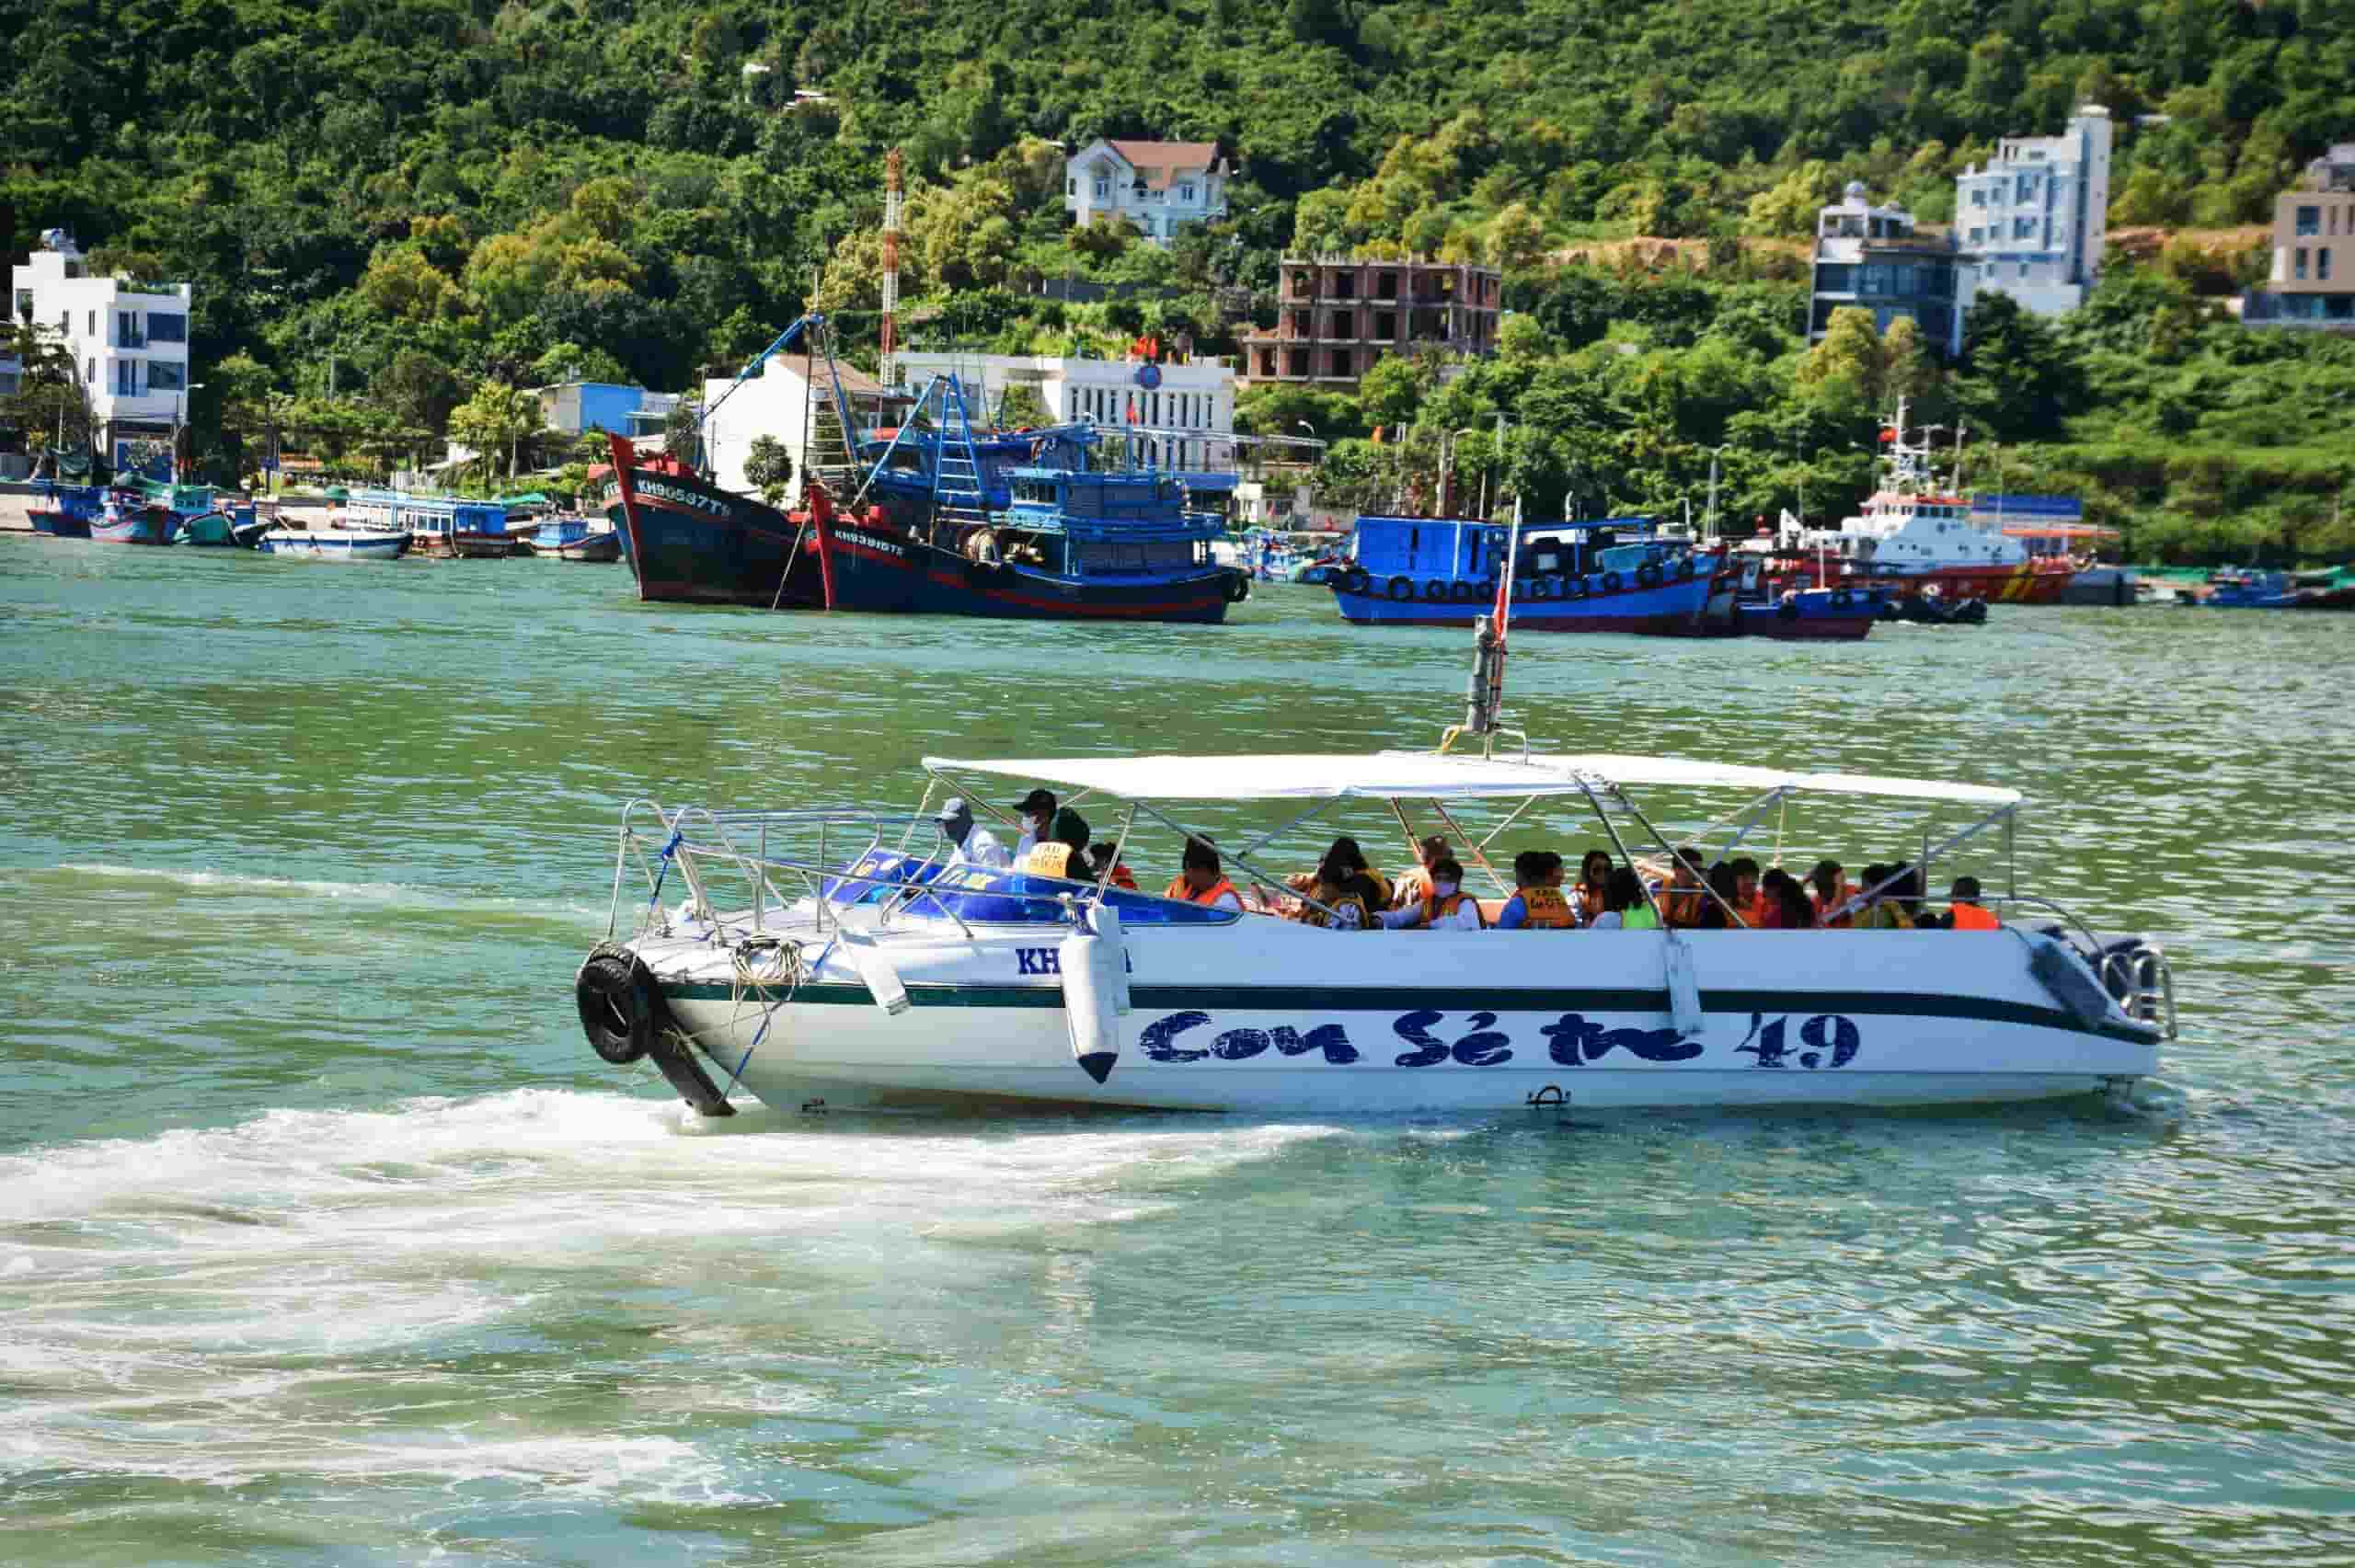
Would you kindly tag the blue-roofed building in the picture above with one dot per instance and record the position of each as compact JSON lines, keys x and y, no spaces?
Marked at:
{"x":574,"y":406}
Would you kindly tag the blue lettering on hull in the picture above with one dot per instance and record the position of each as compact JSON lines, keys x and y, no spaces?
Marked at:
{"x":1571,"y":1040}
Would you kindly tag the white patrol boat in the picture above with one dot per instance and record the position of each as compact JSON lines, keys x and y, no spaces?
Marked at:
{"x":831,"y":960}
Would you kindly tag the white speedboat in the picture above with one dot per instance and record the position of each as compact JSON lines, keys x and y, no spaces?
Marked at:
{"x":813,"y":977}
{"x":334,"y":543}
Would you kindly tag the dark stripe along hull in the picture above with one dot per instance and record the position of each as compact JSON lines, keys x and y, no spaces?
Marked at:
{"x":876,"y":569}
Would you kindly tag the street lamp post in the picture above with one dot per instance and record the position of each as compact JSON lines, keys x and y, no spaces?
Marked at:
{"x":1710,"y":517}
{"x":179,"y":406}
{"x":1447,"y":466}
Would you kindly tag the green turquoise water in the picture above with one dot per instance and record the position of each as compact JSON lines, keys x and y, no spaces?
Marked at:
{"x":325,"y":1239}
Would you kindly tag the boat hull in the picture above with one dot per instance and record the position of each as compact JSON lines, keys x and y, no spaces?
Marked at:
{"x":691,"y":543}
{"x":592,"y":547}
{"x":1812,"y":618}
{"x":462,"y":546}
{"x":148,"y":526}
{"x":1672,"y":608}
{"x":58,"y":523}
{"x":875,"y":566}
{"x":1227,"y":1019}
{"x":325,"y":545}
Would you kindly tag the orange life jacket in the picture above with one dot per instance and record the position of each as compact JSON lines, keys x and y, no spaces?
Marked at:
{"x":1548,"y":911}
{"x":1682,"y":906}
{"x":1184,"y":894}
{"x":1971,"y":917}
{"x":1333,"y":897}
{"x":1823,"y":906}
{"x":1050,"y":859}
{"x":1121,"y":877}
{"x":1436,"y":909}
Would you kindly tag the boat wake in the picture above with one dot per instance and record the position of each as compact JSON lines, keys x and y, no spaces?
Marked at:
{"x":388,"y":894}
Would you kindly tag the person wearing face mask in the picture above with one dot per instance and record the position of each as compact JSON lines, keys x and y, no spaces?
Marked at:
{"x":1447,"y":907}
{"x":1065,"y":853}
{"x":970,"y":845}
{"x":1037,"y":815}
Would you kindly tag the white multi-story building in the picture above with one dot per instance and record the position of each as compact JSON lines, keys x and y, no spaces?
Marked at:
{"x":129,"y":339}
{"x":1190,"y":404}
{"x":2034,"y":222}
{"x":1161,"y":187}
{"x":775,"y":403}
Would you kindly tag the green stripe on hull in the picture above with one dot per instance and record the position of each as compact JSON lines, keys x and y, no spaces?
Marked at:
{"x":1467,"y":998}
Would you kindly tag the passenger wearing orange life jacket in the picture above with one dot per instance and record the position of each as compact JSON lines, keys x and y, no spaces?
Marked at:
{"x":1415,"y":880}
{"x":1682,"y":903}
{"x":1749,"y":901}
{"x":1101,"y":856}
{"x":1203,"y":881}
{"x":1447,"y":907}
{"x":1965,"y":913}
{"x":1537,"y":902}
{"x":1831,"y":890}
{"x":1062,"y":854}
{"x":1343,"y":884}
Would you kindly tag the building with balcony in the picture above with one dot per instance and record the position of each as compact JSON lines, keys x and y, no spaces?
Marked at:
{"x":2313,"y":283}
{"x":129,"y":338}
{"x":1871,"y":258}
{"x":1189,"y":404}
{"x":1335,"y":317}
{"x":1161,"y":187}
{"x":2034,"y":222}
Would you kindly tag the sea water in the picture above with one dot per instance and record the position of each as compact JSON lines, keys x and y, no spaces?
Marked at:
{"x":324,"y":1238}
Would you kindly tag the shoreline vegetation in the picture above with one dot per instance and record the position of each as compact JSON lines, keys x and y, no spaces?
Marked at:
{"x":396,"y":218}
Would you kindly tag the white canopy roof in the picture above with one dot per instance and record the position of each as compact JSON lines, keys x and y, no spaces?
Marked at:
{"x":1426,"y":776}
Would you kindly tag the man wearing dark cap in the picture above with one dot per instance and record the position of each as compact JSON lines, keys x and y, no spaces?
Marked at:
{"x":1063,"y":853}
{"x":1037,"y":812}
{"x":970,"y":845}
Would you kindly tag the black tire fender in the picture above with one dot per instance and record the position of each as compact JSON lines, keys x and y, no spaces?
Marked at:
{"x":1611,"y":582}
{"x":1355,"y":580}
{"x":1648,"y":575}
{"x":1435,"y":590}
{"x":1401,"y":589}
{"x":1238,"y":586}
{"x":615,"y":997}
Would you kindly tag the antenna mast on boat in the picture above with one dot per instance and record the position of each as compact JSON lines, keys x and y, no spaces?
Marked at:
{"x":889,"y":332}
{"x":1484,"y":695}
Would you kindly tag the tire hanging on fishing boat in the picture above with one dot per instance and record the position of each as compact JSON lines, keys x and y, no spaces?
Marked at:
{"x":616,"y":1006}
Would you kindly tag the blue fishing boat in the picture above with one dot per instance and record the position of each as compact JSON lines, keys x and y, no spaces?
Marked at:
{"x":1060,"y":524}
{"x":2235,"y":588}
{"x":66,"y":512}
{"x":130,"y":517}
{"x":1624,"y":575}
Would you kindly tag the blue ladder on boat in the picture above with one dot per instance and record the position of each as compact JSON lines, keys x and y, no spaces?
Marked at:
{"x":957,"y":469}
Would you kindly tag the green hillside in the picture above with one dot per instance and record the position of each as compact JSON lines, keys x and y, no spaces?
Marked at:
{"x":431,"y":198}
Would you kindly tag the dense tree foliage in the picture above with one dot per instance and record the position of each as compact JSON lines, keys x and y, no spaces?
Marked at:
{"x":436,"y":195}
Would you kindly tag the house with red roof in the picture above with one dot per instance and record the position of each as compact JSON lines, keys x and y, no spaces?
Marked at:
{"x":1160,"y":187}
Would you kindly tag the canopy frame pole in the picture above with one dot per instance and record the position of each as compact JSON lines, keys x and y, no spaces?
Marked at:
{"x":1413,"y":844}
{"x":1509,"y":821}
{"x":1269,"y":836}
{"x":1743,"y":819}
{"x":1603,"y":815}
{"x":1477,"y":853}
{"x":1119,"y":842}
{"x":1636,"y":811}
{"x":921,"y":807}
{"x":2001,"y":813}
{"x":1258,"y":877}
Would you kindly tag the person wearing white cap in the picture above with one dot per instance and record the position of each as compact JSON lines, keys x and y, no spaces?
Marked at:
{"x":972,"y":845}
